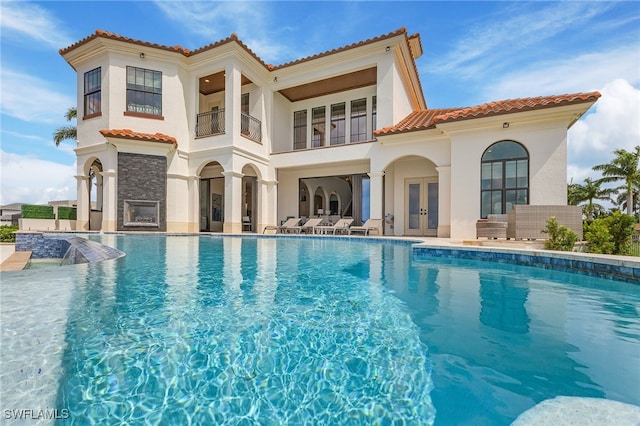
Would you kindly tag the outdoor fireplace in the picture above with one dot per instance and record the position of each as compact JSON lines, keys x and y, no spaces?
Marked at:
{"x":141,"y":213}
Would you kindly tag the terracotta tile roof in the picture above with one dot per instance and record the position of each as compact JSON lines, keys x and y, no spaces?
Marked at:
{"x":112,"y":36}
{"x":137,"y":136}
{"x":427,"y":119}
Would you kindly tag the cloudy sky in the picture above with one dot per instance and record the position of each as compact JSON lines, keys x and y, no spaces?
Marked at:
{"x":474,"y":52}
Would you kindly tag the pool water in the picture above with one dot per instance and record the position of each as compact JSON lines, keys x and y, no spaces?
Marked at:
{"x":213,"y":330}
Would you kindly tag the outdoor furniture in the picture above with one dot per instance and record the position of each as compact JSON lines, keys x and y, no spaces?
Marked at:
{"x":527,"y":221}
{"x":340,"y":226}
{"x":367,"y":227}
{"x":289,"y":224}
{"x":309,"y":225}
{"x":494,"y":226}
{"x":246,"y":223}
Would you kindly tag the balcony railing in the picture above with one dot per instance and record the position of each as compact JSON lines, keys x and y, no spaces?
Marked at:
{"x":251,"y":127}
{"x":210,"y":123}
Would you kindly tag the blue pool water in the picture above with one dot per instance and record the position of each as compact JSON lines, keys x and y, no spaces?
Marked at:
{"x":216,"y":330}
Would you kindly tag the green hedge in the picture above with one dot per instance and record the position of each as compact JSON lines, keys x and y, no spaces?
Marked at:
{"x":67,"y":213}
{"x":7,"y":233}
{"x":32,"y":211}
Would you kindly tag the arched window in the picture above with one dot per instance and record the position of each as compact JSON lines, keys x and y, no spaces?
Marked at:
{"x":505,"y":177}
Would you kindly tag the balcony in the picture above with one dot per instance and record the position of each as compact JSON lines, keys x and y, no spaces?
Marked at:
{"x":211,"y":123}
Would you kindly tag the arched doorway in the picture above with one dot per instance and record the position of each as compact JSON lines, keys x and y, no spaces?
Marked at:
{"x":95,"y":195}
{"x":249,"y":207}
{"x":211,"y":215}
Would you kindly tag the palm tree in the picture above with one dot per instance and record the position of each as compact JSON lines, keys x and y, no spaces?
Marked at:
{"x":66,"y":132}
{"x":624,"y":167}
{"x":590,"y":191}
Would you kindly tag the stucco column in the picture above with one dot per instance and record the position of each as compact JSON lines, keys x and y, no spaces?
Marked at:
{"x":193,"y":186}
{"x":232,"y":95}
{"x":109,"y":201}
{"x":84,"y":202}
{"x":232,"y":202}
{"x":267,"y":203}
{"x":375,"y":196}
{"x":444,"y":201}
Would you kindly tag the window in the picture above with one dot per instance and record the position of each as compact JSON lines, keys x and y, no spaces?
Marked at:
{"x":359,"y":120}
{"x":337,"y":123}
{"x":374,"y":114}
{"x":93,"y":92}
{"x":144,"y":91}
{"x":504,"y":178}
{"x":318,"y":126}
{"x":300,"y":129}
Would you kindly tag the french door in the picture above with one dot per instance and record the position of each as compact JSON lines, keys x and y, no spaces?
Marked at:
{"x":421,"y":207}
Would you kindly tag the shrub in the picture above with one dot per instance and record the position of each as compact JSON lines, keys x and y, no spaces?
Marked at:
{"x":621,"y":228}
{"x":560,"y":237}
{"x":31,"y":211}
{"x":67,"y":213}
{"x":7,"y":233}
{"x":599,"y":239}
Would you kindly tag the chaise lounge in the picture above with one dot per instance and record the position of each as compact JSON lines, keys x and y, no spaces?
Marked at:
{"x":367,"y":227}
{"x":289,"y":225}
{"x":340,"y":226}
{"x":309,"y":226}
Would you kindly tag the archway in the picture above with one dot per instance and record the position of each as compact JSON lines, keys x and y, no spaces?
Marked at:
{"x":211,"y":197}
{"x":250,"y":199}
{"x":95,"y":198}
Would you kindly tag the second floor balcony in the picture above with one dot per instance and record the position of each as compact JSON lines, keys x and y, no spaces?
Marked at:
{"x":212,"y":123}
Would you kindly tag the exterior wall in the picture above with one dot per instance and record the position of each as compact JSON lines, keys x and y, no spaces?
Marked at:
{"x":142,"y":177}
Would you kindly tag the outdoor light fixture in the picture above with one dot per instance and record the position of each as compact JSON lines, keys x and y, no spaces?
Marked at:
{"x":505,"y":125}
{"x":141,"y":55}
{"x":388,"y":49}
{"x":275,"y":79}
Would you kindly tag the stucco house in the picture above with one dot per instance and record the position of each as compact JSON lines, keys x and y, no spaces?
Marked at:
{"x":215,"y":139}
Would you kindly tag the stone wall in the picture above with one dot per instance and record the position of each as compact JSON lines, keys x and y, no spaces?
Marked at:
{"x":142,"y":177}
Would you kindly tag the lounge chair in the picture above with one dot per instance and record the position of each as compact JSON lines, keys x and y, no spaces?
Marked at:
{"x":308,"y":227}
{"x":340,"y":226}
{"x":368,"y":226}
{"x":289,"y":224}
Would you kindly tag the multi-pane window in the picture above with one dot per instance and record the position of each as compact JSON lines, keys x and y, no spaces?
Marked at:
{"x":93,"y":92}
{"x":144,"y":91}
{"x":337,"y":123}
{"x":244,"y":113}
{"x":318,"y":126}
{"x":359,"y":120}
{"x":374,"y":114}
{"x":300,"y":129}
{"x":504,"y":178}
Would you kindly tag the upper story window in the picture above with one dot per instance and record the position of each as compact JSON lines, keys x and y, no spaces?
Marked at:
{"x":144,"y":91}
{"x":374,"y":114}
{"x":337,"y":123}
{"x":504,"y":177}
{"x":359,"y":120}
{"x":319,"y":127}
{"x":93,"y":92}
{"x":300,"y":129}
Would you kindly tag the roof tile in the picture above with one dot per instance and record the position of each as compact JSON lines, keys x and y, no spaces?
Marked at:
{"x":427,"y":119}
{"x":137,"y":136}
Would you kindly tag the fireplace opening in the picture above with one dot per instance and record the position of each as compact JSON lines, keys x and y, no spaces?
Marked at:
{"x":141,"y":213}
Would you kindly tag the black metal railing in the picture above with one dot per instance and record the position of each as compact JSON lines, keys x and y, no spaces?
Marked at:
{"x":250,"y":127}
{"x":210,"y":123}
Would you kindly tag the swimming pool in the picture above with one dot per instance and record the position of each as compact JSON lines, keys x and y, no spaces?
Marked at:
{"x":309,"y":330}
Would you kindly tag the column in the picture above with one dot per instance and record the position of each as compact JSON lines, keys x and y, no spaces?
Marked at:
{"x":232,"y":202}
{"x":232,"y":94}
{"x":109,"y":204}
{"x":444,"y":201}
{"x":84,"y":203}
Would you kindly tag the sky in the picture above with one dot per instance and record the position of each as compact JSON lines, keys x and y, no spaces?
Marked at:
{"x":474,"y":52}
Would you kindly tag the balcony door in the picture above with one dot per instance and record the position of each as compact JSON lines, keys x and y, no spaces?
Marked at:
{"x":421,"y":207}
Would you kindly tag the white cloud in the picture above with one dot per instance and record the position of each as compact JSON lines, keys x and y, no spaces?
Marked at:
{"x":23,"y":98}
{"x":24,"y":21}
{"x":215,"y":21}
{"x":612,"y":124}
{"x":27,"y":179}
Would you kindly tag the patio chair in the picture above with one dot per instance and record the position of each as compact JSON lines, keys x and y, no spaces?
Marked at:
{"x":289,"y":224}
{"x":340,"y":226}
{"x":308,"y":227}
{"x":367,"y":227}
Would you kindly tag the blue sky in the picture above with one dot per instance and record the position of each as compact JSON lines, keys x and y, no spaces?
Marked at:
{"x":474,"y":52}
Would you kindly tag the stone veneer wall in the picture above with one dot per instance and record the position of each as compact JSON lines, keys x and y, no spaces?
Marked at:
{"x":142,"y":177}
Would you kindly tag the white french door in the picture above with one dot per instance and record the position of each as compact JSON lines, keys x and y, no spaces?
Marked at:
{"x":421,"y":207}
